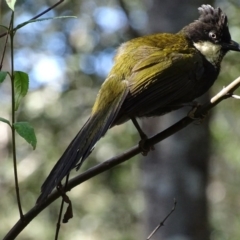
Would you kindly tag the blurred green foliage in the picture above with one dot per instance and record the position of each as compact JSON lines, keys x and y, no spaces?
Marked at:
{"x":67,"y":61}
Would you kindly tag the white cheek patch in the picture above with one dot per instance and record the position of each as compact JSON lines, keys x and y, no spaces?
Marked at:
{"x":210,"y":50}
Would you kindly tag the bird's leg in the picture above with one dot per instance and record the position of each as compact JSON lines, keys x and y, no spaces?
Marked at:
{"x":139,"y":129}
{"x":143,"y":137}
{"x":191,"y":113}
{"x":195,"y":105}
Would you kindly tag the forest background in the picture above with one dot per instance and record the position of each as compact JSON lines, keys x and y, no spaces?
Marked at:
{"x":67,"y":60}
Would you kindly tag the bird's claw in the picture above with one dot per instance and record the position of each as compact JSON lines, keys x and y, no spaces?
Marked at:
{"x":191,"y":113}
{"x":145,"y":148}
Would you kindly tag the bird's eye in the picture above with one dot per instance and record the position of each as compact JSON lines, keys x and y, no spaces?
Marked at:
{"x":213,"y":35}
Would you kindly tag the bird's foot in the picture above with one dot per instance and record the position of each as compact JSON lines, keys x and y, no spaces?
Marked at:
{"x":195,"y":105}
{"x":144,"y":146}
{"x":191,"y":113}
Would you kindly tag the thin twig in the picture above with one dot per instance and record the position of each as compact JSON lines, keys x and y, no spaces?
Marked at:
{"x":235,"y":96}
{"x":5,"y":46}
{"x":13,"y":121}
{"x":47,"y":10}
{"x":37,"y":16}
{"x":58,"y":226}
{"x":161,"y":224}
{"x":100,"y":168}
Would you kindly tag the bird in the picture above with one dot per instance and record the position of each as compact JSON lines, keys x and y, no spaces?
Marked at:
{"x":151,"y":76}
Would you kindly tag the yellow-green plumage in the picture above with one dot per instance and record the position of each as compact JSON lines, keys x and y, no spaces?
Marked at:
{"x":145,"y":76}
{"x":151,"y":76}
{"x":155,"y":67}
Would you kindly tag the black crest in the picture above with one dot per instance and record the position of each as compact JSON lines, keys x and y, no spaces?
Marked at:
{"x":210,"y":20}
{"x":214,"y":16}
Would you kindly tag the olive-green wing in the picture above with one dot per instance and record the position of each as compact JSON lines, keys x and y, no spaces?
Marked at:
{"x":161,"y":80}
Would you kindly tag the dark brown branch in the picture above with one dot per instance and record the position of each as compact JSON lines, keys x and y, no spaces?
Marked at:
{"x":112,"y":162}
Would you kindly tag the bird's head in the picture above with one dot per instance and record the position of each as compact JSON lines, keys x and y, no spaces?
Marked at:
{"x":210,"y":34}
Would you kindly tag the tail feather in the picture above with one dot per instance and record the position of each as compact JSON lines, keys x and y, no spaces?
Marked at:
{"x":83,"y":144}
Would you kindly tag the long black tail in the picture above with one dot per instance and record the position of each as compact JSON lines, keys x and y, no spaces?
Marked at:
{"x":82,"y":145}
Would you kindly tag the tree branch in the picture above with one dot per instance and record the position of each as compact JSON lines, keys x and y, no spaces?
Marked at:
{"x":225,"y":93}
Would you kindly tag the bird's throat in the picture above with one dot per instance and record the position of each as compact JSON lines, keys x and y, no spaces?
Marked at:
{"x":212,"y":52}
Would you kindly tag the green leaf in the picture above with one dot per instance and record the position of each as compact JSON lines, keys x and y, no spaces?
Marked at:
{"x":2,"y":76}
{"x":25,"y":130}
{"x":11,"y":3}
{"x":5,"y":121}
{"x":21,"y":83}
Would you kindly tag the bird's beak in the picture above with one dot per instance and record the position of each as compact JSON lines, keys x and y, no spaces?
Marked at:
{"x":234,"y":46}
